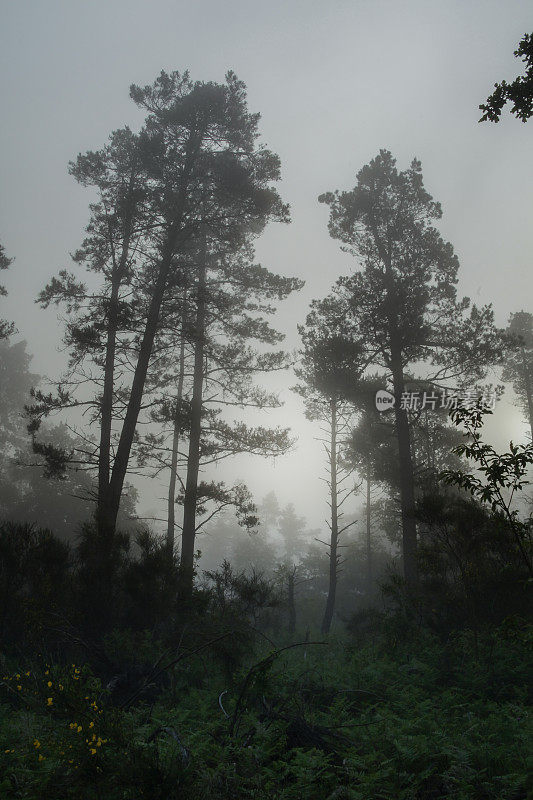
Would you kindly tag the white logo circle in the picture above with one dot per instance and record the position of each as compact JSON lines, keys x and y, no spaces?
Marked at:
{"x":384,"y":400}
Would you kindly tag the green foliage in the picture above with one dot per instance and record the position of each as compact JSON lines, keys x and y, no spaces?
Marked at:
{"x":102,"y":561}
{"x":239,"y":602}
{"x":63,"y":731}
{"x":150,"y":582}
{"x":501,"y":476}
{"x":417,"y":719}
{"x":471,"y":570}
{"x":34,"y":580}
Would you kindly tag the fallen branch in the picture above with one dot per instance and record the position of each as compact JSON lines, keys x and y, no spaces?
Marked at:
{"x":253,"y":669}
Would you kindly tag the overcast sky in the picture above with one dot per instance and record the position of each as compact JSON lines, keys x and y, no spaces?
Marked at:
{"x":334,"y":83}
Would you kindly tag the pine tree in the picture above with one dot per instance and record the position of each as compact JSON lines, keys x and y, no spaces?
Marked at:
{"x":223,"y":349}
{"x":404,"y":299}
{"x":195,"y":167}
{"x":333,"y":361}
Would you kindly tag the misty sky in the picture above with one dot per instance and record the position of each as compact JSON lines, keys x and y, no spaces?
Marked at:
{"x":334,"y":83}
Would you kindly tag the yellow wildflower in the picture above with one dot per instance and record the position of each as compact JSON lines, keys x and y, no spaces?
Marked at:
{"x":93,"y":751}
{"x":91,"y":724}
{"x":49,"y":701}
{"x":49,"y":684}
{"x":36,"y":743}
{"x":19,"y":688}
{"x":79,"y":728}
{"x":41,"y":758}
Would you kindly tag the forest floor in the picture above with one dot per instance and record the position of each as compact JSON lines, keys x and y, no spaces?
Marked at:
{"x":395,"y":718}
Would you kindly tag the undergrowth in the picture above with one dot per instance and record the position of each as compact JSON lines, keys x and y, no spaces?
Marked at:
{"x":414,"y":720}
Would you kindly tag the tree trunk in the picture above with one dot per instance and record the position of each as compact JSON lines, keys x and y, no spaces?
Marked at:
{"x":120,"y":465}
{"x":403,"y":434}
{"x":407,"y":482}
{"x":332,"y":591}
{"x":103,"y":518}
{"x":368,"y":532}
{"x":176,"y":434}
{"x":106,"y":408}
{"x":291,"y":604}
{"x":193,"y":460}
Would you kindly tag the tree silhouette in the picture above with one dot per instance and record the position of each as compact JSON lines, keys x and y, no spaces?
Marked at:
{"x":404,"y":298}
{"x":333,"y":361}
{"x":519,"y":92}
{"x":195,"y":170}
{"x":6,"y":328}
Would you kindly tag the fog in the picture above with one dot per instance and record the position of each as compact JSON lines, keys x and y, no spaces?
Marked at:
{"x":334,"y":83}
{"x":266,"y":413}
